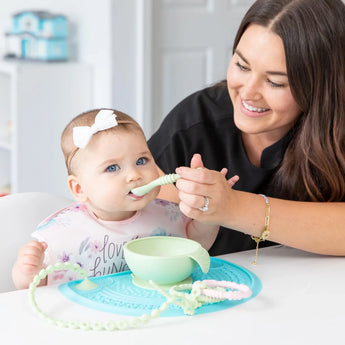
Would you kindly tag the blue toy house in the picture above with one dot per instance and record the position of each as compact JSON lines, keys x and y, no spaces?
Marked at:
{"x":38,"y":35}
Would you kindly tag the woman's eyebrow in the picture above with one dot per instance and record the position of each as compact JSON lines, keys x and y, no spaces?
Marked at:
{"x":277,"y":73}
{"x":241,"y":56}
{"x":284,"y":74}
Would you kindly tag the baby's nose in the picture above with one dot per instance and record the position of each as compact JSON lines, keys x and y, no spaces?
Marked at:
{"x":133,"y":175}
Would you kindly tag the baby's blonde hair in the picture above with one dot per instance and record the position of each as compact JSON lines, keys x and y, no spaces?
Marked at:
{"x":125,"y":122}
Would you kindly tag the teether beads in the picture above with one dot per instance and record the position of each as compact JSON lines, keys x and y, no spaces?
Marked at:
{"x":238,"y":291}
{"x":85,"y":325}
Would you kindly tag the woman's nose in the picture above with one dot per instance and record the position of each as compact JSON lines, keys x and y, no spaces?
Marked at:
{"x":251,"y":89}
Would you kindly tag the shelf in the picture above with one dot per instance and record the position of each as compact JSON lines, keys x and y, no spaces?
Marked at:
{"x":36,"y":103}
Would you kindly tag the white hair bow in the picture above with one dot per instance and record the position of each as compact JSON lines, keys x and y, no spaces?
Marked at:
{"x":82,"y":134}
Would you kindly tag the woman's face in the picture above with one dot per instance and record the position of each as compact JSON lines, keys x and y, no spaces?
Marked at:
{"x":259,"y":88}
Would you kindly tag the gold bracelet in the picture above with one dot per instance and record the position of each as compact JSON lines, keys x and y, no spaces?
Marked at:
{"x":265,"y":234}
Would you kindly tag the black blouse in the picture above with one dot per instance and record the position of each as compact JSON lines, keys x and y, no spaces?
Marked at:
{"x":203,"y":123}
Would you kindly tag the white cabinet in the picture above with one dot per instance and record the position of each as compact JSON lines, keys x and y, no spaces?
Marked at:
{"x":36,"y":102}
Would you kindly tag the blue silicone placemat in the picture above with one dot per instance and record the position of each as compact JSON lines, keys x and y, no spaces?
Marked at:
{"x":116,"y":293}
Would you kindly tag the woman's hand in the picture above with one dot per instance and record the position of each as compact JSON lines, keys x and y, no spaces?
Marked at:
{"x":196,"y":184}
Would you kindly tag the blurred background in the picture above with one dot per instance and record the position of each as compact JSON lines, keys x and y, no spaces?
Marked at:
{"x":60,"y":58}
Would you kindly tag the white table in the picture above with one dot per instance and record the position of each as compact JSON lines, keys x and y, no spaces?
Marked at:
{"x":302,"y":302}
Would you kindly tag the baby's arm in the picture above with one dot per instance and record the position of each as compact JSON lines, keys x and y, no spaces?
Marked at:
{"x":206,"y":234}
{"x":29,"y":263}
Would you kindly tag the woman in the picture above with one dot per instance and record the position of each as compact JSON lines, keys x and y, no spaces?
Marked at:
{"x":282,"y":131}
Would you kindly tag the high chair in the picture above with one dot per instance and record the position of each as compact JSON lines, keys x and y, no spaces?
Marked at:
{"x":20,"y":213}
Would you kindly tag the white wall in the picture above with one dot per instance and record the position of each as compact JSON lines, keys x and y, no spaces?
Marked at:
{"x":124,"y":55}
{"x":91,"y":37}
{"x":115,"y":37}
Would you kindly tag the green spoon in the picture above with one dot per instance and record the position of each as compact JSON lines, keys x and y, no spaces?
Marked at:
{"x":160,"y":181}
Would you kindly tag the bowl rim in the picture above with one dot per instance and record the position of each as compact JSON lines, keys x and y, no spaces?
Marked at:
{"x":127,"y":248}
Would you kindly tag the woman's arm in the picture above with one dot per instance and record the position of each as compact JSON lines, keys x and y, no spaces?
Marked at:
{"x":203,"y":233}
{"x":311,"y":226}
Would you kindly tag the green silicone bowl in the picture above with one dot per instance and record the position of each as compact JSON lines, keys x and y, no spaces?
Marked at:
{"x":164,"y":259}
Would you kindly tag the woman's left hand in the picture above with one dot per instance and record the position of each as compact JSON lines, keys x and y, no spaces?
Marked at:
{"x":198,"y":184}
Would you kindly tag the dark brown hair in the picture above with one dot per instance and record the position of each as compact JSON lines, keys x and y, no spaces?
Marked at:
{"x":313,"y":34}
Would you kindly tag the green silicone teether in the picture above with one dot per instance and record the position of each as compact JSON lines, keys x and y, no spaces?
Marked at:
{"x":160,"y":181}
{"x":187,"y":296}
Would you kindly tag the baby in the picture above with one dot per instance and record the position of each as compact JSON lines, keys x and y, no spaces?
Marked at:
{"x":106,"y":156}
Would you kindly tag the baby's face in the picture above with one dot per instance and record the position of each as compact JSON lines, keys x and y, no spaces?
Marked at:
{"x":110,"y":166}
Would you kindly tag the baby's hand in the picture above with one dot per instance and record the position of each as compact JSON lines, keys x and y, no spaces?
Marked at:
{"x":29,"y":263}
{"x":30,"y":257}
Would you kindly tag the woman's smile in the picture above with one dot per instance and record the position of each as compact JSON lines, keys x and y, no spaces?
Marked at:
{"x":255,"y":111}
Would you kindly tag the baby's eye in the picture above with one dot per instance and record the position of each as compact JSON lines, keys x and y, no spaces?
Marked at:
{"x":141,"y":161}
{"x":113,"y":168}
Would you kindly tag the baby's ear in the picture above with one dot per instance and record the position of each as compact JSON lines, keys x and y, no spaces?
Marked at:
{"x":76,"y":188}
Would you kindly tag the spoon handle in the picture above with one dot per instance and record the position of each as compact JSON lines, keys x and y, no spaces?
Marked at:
{"x":160,"y":181}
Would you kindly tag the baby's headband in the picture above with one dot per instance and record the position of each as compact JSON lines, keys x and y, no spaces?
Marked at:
{"x":104,"y":119}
